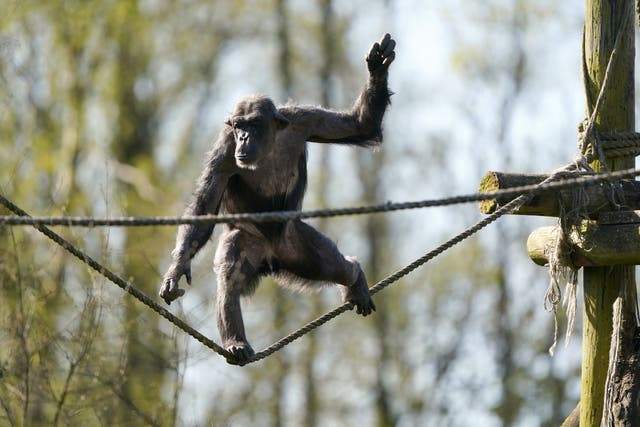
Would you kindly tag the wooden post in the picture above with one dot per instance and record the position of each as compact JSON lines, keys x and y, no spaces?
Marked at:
{"x":601,"y":246}
{"x":603,"y":20}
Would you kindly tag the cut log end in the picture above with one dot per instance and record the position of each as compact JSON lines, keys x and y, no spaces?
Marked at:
{"x":490,"y":182}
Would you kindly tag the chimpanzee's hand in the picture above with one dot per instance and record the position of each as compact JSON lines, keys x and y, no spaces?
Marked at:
{"x":381,"y":56}
{"x":170,"y":290}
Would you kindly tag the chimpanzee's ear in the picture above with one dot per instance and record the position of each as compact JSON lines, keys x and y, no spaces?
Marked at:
{"x":281,"y":121}
{"x":228,"y":121}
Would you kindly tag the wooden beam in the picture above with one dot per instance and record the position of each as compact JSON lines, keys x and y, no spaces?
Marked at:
{"x":597,"y":197}
{"x":593,"y":244}
{"x":604,"y":19}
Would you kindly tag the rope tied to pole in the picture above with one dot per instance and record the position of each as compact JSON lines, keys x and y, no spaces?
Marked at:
{"x":593,"y":145}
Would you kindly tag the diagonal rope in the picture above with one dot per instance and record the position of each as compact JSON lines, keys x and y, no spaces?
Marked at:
{"x":562,"y":182}
{"x":514,"y":204}
{"x":140,"y":296}
{"x":119,"y":281}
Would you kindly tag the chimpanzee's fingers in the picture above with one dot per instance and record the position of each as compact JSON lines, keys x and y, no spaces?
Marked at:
{"x":240,"y":353}
{"x":373,"y":51}
{"x":165,"y":293}
{"x":389,"y":59}
{"x":386,"y":51}
{"x":173,"y":295}
{"x":170,"y":291}
{"x":384,"y":41}
{"x":164,"y":290}
{"x":247,"y":352}
{"x":187,"y":274}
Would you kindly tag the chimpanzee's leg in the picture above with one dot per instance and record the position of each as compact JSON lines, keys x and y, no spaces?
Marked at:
{"x":237,"y":261}
{"x":309,"y":254}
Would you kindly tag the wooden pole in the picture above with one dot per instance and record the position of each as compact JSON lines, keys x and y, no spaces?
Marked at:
{"x":603,"y":20}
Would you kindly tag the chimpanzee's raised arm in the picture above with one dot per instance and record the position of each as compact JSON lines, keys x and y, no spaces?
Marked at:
{"x":362,"y":125}
{"x":205,"y":200}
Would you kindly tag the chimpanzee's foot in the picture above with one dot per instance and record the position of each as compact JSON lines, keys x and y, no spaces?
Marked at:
{"x":242,"y":351}
{"x":359,"y":295}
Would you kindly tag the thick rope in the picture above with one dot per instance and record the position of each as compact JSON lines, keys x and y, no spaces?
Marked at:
{"x":140,"y":296}
{"x":620,"y":144}
{"x":563,"y":182}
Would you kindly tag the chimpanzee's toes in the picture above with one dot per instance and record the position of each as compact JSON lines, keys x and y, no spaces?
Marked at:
{"x":241,"y":352}
{"x":365,"y":308}
{"x":358,"y":294}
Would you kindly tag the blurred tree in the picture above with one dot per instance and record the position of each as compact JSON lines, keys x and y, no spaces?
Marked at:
{"x":312,"y":407}
{"x":377,"y":238}
{"x":512,"y":74}
{"x":132,"y":146}
{"x":42,"y":124}
{"x":279,"y":365}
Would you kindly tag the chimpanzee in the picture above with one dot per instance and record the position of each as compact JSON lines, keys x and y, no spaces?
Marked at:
{"x":259,"y":164}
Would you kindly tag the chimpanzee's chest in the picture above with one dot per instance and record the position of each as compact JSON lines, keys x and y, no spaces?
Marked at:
{"x":273,"y":186}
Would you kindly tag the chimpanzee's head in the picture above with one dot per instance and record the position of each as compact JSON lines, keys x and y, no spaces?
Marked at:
{"x":254,"y":121}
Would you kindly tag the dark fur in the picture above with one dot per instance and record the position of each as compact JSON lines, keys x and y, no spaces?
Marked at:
{"x":259,"y":164}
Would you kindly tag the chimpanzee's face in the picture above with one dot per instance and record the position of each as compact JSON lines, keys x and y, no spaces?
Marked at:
{"x":251,"y":137}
